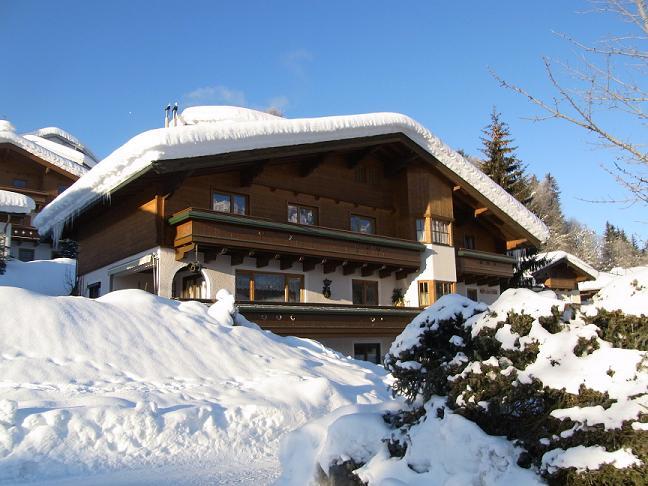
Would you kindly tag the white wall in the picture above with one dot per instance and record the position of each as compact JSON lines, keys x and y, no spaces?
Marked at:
{"x":485,"y":293}
{"x":102,"y":275}
{"x":437,"y":263}
{"x":222,"y":275}
{"x":344,"y":345}
{"x":42,"y":251}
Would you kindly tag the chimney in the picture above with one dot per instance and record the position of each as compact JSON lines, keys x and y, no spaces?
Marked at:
{"x":166,"y":115}
{"x":175,"y":114}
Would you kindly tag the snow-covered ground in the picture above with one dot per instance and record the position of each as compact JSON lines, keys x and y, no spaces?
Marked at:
{"x":48,"y":277}
{"x":133,"y":388}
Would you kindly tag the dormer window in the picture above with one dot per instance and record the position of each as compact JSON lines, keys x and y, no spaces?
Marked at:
{"x":363,"y":224}
{"x":229,"y":203}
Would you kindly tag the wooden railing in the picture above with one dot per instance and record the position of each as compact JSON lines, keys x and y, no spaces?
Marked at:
{"x":475,"y":262}
{"x":230,"y":233}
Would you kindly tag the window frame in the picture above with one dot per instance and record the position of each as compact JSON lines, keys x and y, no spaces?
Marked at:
{"x":96,"y":286}
{"x":231,"y":201}
{"x":286,"y":276}
{"x":365,"y":284}
{"x":194,"y":277}
{"x":448,"y":234}
{"x":366,"y":354}
{"x":300,"y":206}
{"x":370,"y":218}
{"x":467,"y":239}
{"x":432,"y":290}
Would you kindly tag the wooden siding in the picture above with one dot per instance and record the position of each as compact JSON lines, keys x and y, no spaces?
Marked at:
{"x":485,"y":240}
{"x":119,"y":233}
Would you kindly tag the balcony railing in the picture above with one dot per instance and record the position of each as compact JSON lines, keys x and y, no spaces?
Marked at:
{"x":241,"y":236}
{"x":23,"y":232}
{"x":481,"y":265}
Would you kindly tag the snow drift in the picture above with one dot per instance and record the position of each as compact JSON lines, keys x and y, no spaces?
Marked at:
{"x":48,"y":277}
{"x":132,"y":380}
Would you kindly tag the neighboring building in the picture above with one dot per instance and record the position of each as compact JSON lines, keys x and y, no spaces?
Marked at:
{"x":313,"y":224}
{"x":563,"y":273}
{"x":40,"y":165}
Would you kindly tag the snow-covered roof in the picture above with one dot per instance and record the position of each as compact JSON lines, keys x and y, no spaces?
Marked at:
{"x":219,"y":130}
{"x":59,"y":135}
{"x":57,"y":154}
{"x":13,"y":202}
{"x":554,"y":257}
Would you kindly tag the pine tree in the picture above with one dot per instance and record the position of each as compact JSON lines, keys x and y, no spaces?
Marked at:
{"x":545,"y":203}
{"x":500,"y":163}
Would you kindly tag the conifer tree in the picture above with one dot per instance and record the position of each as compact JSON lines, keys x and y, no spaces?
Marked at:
{"x":500,"y":163}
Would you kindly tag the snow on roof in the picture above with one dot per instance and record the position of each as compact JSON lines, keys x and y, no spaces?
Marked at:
{"x":13,"y":202}
{"x":60,"y":134}
{"x":220,"y":130}
{"x":63,"y":150}
{"x":37,"y":147}
{"x":554,"y":257}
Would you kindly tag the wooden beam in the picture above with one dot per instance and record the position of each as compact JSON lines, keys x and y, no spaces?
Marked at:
{"x":286,"y":262}
{"x":513,"y":244}
{"x":350,"y":267}
{"x":308,"y":264}
{"x":481,"y":212}
{"x":329,"y":266}
{"x":248,"y":174}
{"x":385,"y":271}
{"x":262,"y":260}
{"x":404,"y":272}
{"x":368,"y":269}
{"x":183,"y":250}
{"x":236,"y":257}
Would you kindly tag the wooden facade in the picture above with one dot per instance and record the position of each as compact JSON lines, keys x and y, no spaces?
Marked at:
{"x":27,"y":174}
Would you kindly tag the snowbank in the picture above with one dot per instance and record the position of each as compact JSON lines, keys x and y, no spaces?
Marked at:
{"x":447,"y":450}
{"x":131,"y":380}
{"x":13,"y":202}
{"x":627,"y":292}
{"x":230,"y":129}
{"x":49,"y":277}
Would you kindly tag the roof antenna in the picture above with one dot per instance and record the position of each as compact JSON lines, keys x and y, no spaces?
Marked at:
{"x":166,"y":115}
{"x":175,"y":114}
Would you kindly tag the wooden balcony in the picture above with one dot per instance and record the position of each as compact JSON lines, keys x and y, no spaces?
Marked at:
{"x":241,"y":236}
{"x":481,"y":267}
{"x":328,"y":320}
{"x":24,"y":232}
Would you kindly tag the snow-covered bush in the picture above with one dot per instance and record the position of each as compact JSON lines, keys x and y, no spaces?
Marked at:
{"x":526,"y":391}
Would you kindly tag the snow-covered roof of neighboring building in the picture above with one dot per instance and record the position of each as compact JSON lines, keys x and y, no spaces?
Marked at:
{"x":555,"y":257}
{"x":56,"y":154}
{"x":13,"y":202}
{"x":218,"y":130}
{"x":62,"y":137}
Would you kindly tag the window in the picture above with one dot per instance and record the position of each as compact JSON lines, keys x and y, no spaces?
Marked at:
{"x":229,"y":203}
{"x":19,"y":183}
{"x":469,"y":242}
{"x":365,"y":292}
{"x":426,"y":287}
{"x":367,"y":352}
{"x":25,"y":254}
{"x":441,"y":289}
{"x":302,"y":214}
{"x":94,"y":290}
{"x":424,"y":293}
{"x":268,"y":287}
{"x":192,"y":287}
{"x":363,"y":224}
{"x":421,"y":234}
{"x":440,"y":232}
{"x":472,"y":294}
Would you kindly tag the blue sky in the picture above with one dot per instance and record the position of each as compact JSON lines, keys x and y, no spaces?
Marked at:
{"x":105,"y":70}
